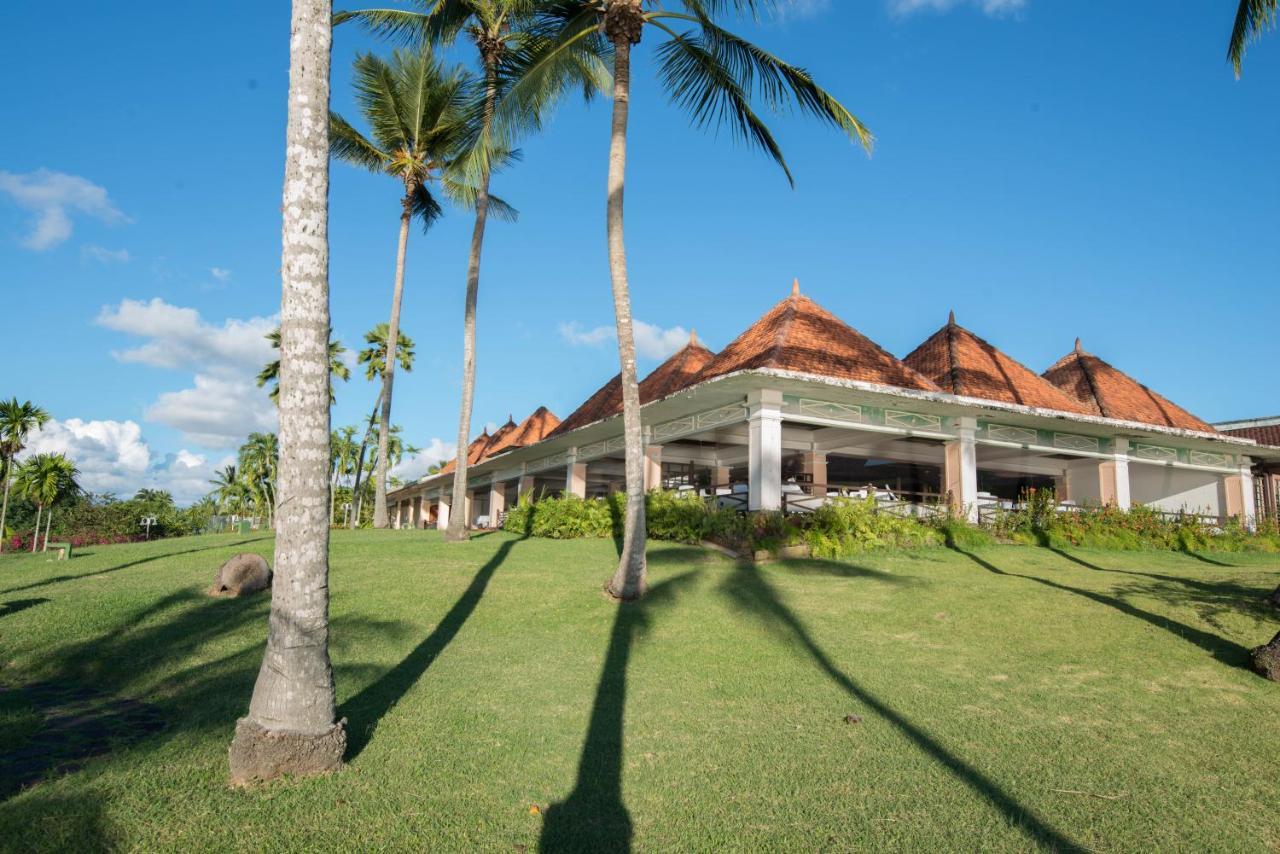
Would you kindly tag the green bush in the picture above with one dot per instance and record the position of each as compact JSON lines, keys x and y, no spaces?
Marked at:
{"x":844,"y":527}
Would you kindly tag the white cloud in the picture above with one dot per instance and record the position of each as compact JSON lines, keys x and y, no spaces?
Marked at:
{"x":52,"y":197}
{"x":218,"y":412}
{"x":792,"y":10}
{"x":220,"y":273}
{"x":113,"y":456}
{"x":991,"y":8}
{"x":652,"y":342}
{"x":224,"y":404}
{"x":180,"y":338}
{"x":414,"y":467}
{"x":105,"y":256}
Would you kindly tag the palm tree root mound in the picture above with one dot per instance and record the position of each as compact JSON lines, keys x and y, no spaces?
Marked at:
{"x":259,"y":754}
{"x":1266,"y":659}
{"x":243,"y":574}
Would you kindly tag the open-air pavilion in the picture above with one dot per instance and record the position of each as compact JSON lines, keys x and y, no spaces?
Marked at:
{"x":802,"y":408}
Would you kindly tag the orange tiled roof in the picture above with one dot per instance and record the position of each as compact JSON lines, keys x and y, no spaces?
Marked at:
{"x":679,"y":371}
{"x":1263,"y":434}
{"x":964,"y":364}
{"x":1111,"y":393}
{"x":799,"y":335}
{"x":535,"y":428}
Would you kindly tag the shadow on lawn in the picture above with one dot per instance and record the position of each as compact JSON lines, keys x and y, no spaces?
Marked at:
{"x":373,"y":702}
{"x":59,"y":823}
{"x":16,"y":605}
{"x":58,"y":579}
{"x":749,"y":588}
{"x":594,"y":818}
{"x":1228,"y":652}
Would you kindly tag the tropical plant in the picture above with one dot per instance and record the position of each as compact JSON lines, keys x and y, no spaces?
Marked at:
{"x":270,"y":372}
{"x":43,"y":479}
{"x":374,"y":358}
{"x":342,"y":461}
{"x":290,"y":728}
{"x":500,"y":31}
{"x":714,"y":75}
{"x":17,"y":420}
{"x":229,"y":491}
{"x":1252,"y":17}
{"x":258,"y":460}
{"x":418,"y":114}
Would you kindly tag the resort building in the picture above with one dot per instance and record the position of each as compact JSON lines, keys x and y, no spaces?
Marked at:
{"x":801,"y":408}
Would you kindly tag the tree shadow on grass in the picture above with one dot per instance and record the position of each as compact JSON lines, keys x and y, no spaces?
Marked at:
{"x":375,"y":700}
{"x":840,"y":569}
{"x":15,"y":605}
{"x":58,"y":823}
{"x":58,"y":579}
{"x":594,"y":818}
{"x":1225,"y":651}
{"x":748,"y":587}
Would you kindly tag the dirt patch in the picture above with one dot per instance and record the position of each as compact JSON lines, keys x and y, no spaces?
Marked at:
{"x":261,"y":754}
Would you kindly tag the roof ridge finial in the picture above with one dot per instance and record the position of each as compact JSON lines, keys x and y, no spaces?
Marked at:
{"x":693,"y":337}
{"x":1079,"y":349}
{"x":795,"y":287}
{"x":951,"y":317}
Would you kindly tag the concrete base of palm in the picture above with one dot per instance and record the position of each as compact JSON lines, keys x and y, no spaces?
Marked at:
{"x":258,"y":754}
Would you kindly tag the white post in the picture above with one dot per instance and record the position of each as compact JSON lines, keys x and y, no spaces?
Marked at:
{"x":497,"y":502}
{"x":961,"y":469}
{"x":575,"y":476}
{"x":1241,"y":501}
{"x":764,"y":450}
{"x":652,"y":467}
{"x":1118,"y":471}
{"x":442,"y":514}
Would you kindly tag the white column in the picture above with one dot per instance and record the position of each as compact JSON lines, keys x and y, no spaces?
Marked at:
{"x":396,"y":522}
{"x":1241,"y":501}
{"x":652,"y":467}
{"x":1121,"y":474}
{"x":960,"y":469}
{"x":442,"y":515}
{"x":764,"y":451}
{"x":575,"y":476}
{"x":497,"y":502}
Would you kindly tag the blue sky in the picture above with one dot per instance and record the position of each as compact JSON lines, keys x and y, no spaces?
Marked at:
{"x":1047,"y":169}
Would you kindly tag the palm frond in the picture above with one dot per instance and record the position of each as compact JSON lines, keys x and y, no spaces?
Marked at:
{"x":380,"y":102}
{"x":464,"y":195}
{"x":347,"y":143}
{"x":1252,"y":18}
{"x":425,"y":207}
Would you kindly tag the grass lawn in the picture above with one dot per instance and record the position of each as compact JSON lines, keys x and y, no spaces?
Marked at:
{"x":1009,"y":699}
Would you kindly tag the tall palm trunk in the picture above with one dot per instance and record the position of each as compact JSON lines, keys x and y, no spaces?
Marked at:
{"x":364,"y":446}
{"x":457,"y":529}
{"x":48,"y":523}
{"x":389,"y":369}
{"x":290,"y":728}
{"x":623,"y":25}
{"x":35,"y":539}
{"x":4,"y":508}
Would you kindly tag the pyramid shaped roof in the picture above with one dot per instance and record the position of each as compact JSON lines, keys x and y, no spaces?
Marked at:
{"x":799,"y":335}
{"x":532,"y":429}
{"x":1111,"y":393}
{"x":679,"y":371}
{"x":964,"y":364}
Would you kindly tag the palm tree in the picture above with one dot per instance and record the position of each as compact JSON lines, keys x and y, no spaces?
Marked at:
{"x":342,"y":460}
{"x":17,"y":420}
{"x":714,"y":75}
{"x":42,"y":480}
{"x":499,"y":30}
{"x":418,"y":113}
{"x":258,"y":459}
{"x":228,"y":490}
{"x":291,"y":727}
{"x":270,"y":372}
{"x":374,"y":358}
{"x":1252,"y":17}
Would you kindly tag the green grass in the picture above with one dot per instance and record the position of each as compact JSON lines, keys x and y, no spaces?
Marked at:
{"x":1009,"y":698}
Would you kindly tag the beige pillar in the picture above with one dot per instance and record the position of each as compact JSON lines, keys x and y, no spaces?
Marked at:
{"x":960,"y":470}
{"x":1241,"y":500}
{"x":442,"y":513}
{"x":652,"y":467}
{"x":526,"y":485}
{"x":814,"y":464}
{"x":1113,"y":477}
{"x":721,"y":476}
{"x":497,"y":502}
{"x":466,"y":511}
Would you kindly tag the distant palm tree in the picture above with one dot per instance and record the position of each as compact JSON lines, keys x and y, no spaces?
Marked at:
{"x":161,"y":497}
{"x":342,"y":460}
{"x":499,"y":30}
{"x":417,"y":112}
{"x":714,"y":75}
{"x":258,"y":460}
{"x":291,"y":727}
{"x":374,"y":358}
{"x":270,"y":373}
{"x":1252,"y":17}
{"x":228,"y":490}
{"x":42,"y":480}
{"x":17,"y":420}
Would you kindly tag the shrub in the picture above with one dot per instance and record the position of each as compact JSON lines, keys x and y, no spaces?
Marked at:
{"x":846,"y":526}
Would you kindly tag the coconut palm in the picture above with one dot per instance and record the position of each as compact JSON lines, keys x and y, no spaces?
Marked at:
{"x":1252,"y":17}
{"x":270,"y":372}
{"x":418,"y":114}
{"x":17,"y":420}
{"x":291,"y":728}
{"x":259,"y":458}
{"x":342,"y":460}
{"x":42,"y":480}
{"x":229,"y":490}
{"x":374,"y":358}
{"x":715,"y":76}
{"x":500,"y":31}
